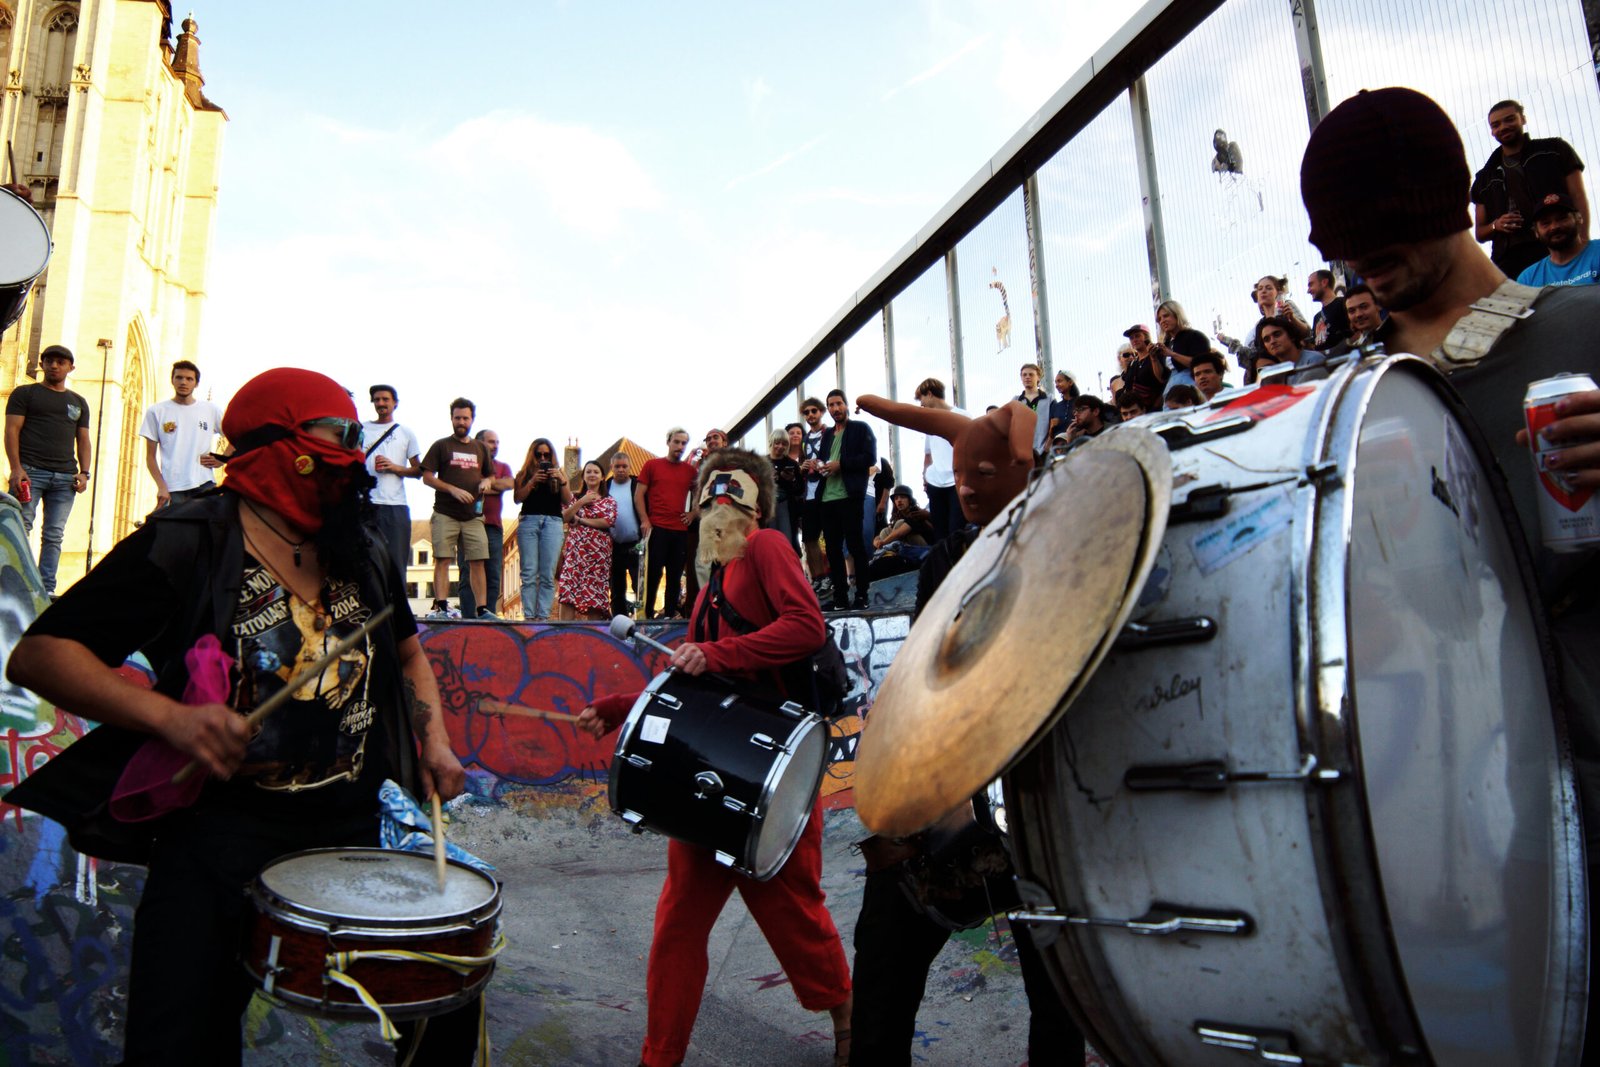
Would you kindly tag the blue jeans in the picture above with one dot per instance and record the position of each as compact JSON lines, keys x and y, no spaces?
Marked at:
{"x":538,"y":542}
{"x":55,"y":489}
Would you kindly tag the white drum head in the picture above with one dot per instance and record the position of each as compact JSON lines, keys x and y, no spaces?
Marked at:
{"x":792,"y":796}
{"x":24,"y":241}
{"x":1457,"y":740}
{"x":374,"y":884}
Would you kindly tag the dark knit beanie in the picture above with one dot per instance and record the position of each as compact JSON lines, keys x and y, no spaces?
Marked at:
{"x":1384,"y":167}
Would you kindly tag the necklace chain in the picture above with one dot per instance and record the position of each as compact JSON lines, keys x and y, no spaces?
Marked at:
{"x":279,"y":534}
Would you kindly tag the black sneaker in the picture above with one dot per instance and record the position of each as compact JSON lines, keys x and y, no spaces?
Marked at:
{"x":862,"y":603}
{"x":485,"y":613}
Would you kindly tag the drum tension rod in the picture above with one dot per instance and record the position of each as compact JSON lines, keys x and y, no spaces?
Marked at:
{"x":1136,"y":635}
{"x":1213,"y":776}
{"x":1159,"y":921}
{"x":1270,"y":1046}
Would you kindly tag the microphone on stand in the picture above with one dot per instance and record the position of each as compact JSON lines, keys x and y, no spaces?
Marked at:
{"x":623,"y":629}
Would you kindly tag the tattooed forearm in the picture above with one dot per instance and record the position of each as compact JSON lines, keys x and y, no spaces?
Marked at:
{"x":421,"y":710}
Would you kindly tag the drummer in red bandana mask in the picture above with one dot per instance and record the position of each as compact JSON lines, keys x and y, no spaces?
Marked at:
{"x":277,"y":566}
{"x":762,"y":581}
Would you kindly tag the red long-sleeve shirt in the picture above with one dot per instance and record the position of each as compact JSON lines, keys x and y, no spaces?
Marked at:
{"x":768,"y":589}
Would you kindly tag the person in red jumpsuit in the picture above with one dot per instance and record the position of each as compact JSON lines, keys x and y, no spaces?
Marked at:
{"x":763,"y":583}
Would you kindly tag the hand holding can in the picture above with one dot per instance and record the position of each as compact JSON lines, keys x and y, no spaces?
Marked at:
{"x":1569,"y":509}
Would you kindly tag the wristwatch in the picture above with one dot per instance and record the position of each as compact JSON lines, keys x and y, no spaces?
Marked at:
{"x":84,"y":475}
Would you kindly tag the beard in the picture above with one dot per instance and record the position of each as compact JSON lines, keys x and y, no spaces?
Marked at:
{"x":347,"y":516}
{"x":723,"y":531}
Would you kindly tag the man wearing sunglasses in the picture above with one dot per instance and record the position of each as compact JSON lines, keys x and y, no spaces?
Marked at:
{"x":459,"y":470}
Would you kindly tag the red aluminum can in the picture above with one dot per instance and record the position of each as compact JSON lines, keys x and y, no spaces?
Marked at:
{"x":1569,"y":515}
{"x":24,"y":491}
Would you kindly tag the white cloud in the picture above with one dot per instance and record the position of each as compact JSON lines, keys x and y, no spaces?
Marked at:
{"x":590,"y":180}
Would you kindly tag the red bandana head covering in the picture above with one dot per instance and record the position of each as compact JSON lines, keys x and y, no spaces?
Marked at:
{"x":278,"y":464}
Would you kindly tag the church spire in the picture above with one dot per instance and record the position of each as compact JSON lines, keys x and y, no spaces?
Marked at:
{"x":186,"y":62}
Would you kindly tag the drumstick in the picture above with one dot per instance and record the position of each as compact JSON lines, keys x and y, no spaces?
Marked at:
{"x":310,"y":674}
{"x":495,"y":707}
{"x":438,"y":840}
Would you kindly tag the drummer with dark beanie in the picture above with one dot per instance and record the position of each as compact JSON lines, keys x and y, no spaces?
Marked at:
{"x":896,"y":942}
{"x":277,"y":568}
{"x":760,"y":578}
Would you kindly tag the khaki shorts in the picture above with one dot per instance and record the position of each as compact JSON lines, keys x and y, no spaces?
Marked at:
{"x":447,"y":531}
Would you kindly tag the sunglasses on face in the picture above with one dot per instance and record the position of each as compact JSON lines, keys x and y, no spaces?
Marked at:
{"x":541,"y":455}
{"x":349,"y":430}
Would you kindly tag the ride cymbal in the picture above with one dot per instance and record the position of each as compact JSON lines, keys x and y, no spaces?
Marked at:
{"x":1015,"y":630}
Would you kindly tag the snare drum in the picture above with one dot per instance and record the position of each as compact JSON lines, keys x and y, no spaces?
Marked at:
{"x":703,"y":763}
{"x":1315,"y":806}
{"x":331,"y":919}
{"x":24,"y":253}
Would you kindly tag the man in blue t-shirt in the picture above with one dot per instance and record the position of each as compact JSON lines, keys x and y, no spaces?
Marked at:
{"x":1572,"y":259}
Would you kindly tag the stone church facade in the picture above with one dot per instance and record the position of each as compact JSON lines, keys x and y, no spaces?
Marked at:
{"x":105,"y":120}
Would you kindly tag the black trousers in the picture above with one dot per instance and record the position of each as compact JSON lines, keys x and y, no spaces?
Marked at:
{"x":895,"y":948}
{"x":624,"y":572}
{"x":187,"y":990}
{"x":841,"y":527}
{"x":668,"y":550}
{"x":945,"y":509}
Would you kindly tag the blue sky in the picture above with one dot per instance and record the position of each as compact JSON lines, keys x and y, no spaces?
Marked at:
{"x":592,"y":219}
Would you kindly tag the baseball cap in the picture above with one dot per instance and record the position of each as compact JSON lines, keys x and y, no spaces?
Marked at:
{"x":58,"y":351}
{"x":1552,"y":204}
{"x":1137,"y":327}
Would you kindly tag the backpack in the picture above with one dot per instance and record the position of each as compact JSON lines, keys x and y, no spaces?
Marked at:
{"x":822,"y":675}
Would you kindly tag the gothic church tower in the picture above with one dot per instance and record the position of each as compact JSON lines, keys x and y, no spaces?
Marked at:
{"x":106,"y":121}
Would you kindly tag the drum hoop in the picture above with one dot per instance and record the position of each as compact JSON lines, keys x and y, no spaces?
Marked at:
{"x":308,"y":917}
{"x":1346,"y":847}
{"x":49,"y":243}
{"x":775,"y":774}
{"x":328,"y":1008}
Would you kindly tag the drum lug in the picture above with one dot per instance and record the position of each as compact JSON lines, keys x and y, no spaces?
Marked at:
{"x":1324,"y":475}
{"x":634,"y":820}
{"x":763,"y":741}
{"x":1181,"y":434}
{"x":797,"y":711}
{"x":1213,"y":776}
{"x":1270,"y":1046}
{"x":1203,"y":504}
{"x":1136,"y":635}
{"x":707,"y":784}
{"x":641,"y":762}
{"x":729,"y":701}
{"x":725,"y":858}
{"x":1159,"y":921}
{"x":668,"y":701}
{"x":735,"y":805}
{"x":270,"y":972}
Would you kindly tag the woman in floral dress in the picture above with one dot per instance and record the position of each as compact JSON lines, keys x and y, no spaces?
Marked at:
{"x":585,"y":586}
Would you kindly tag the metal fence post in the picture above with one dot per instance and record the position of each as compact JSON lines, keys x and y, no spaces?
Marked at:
{"x":1155,"y":237}
{"x":891,"y":386}
{"x":1041,"y":301}
{"x":952,"y":292}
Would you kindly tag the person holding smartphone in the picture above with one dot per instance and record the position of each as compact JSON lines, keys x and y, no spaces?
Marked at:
{"x":542,"y":490}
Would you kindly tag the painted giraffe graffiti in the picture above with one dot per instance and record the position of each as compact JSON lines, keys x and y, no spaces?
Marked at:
{"x":1002,"y":328}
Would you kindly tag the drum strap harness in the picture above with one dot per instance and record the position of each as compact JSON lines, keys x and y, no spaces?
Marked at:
{"x":339,"y":964}
{"x":1476,"y":332}
{"x":825,"y":674}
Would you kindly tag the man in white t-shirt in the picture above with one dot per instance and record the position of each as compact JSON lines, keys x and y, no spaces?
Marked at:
{"x":179,"y":437}
{"x":938,"y":465}
{"x":392,"y":456}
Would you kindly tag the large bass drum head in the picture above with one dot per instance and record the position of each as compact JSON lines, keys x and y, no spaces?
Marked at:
{"x":1476,"y":843}
{"x":792,"y":790}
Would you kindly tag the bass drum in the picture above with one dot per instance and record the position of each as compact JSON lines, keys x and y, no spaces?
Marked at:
{"x":1315,"y":806}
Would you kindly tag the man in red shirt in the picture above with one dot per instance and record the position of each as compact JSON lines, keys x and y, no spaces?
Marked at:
{"x":762,"y":582}
{"x":662,"y":501}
